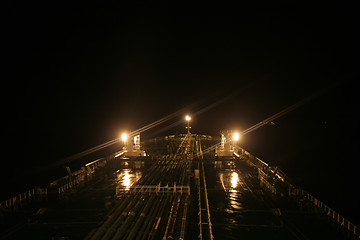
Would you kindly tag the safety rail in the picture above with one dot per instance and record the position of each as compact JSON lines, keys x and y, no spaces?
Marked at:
{"x":301,"y":195}
{"x":260,"y":164}
{"x":67,"y":183}
{"x":64,"y":185}
{"x":70,"y":185}
{"x":297,"y":192}
{"x":25,"y":197}
{"x":263,"y":177}
{"x":92,"y":166}
{"x":153,"y":189}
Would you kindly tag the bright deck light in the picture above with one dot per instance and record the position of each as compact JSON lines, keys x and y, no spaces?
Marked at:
{"x":124,"y":137}
{"x":236,"y":136}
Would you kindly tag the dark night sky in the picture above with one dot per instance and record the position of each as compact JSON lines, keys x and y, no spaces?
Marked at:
{"x":78,"y":74}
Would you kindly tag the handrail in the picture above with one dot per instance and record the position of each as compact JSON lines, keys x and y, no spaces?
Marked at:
{"x":339,"y":219}
{"x":28,"y":195}
{"x":300,"y":193}
{"x":38,"y":192}
{"x":154,"y":189}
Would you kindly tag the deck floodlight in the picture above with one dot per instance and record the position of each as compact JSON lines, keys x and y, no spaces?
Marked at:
{"x":236,"y":136}
{"x":124,"y":137}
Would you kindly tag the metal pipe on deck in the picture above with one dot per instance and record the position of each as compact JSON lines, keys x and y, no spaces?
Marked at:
{"x":112,"y":229}
{"x":141,"y":218}
{"x":183,"y":219}
{"x":155,"y":227}
{"x":173,"y":219}
{"x":207,"y":203}
{"x":199,"y":200}
{"x":170,"y":217}
{"x":147,"y":222}
{"x":120,"y":233}
{"x":104,"y":227}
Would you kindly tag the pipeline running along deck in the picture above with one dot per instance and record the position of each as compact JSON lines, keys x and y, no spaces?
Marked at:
{"x":183,"y":195}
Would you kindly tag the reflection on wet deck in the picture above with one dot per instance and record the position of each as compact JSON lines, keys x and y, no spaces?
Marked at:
{"x":234,"y":180}
{"x":238,"y":208}
{"x":230,"y":182}
{"x":129,"y":173}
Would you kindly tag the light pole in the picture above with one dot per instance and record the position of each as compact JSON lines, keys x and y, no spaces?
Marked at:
{"x":188,"y":118}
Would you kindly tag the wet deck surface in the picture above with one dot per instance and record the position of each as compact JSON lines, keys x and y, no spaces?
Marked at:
{"x":240,"y":208}
{"x":73,"y":216}
{"x":77,"y":213}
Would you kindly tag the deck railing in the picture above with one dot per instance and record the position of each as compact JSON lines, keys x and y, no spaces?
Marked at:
{"x":153,"y":189}
{"x":297,"y":193}
{"x":25,"y":197}
{"x":301,"y":195}
{"x":66,"y":184}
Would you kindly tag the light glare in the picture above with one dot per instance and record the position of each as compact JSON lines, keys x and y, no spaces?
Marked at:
{"x":236,"y":136}
{"x":124,"y":137}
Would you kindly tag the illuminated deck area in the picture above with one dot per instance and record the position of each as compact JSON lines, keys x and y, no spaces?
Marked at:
{"x":187,"y":194}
